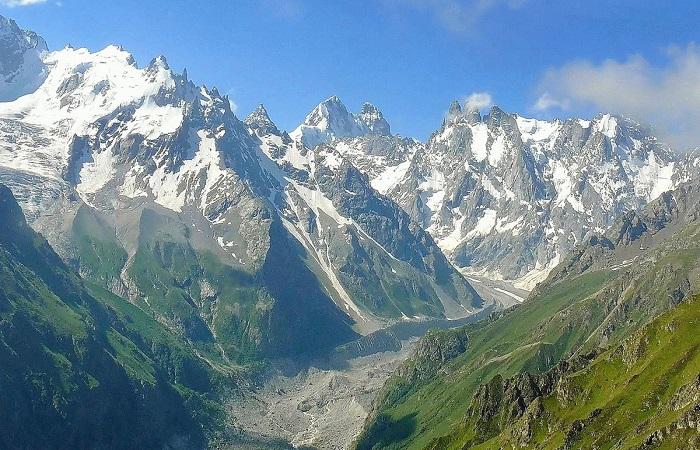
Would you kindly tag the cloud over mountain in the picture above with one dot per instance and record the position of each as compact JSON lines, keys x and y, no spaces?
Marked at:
{"x":666,"y":95}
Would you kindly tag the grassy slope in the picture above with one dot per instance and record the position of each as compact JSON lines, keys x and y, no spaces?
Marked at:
{"x":627,"y":393}
{"x":525,"y":338}
{"x":231,"y":315}
{"x":82,"y":367}
{"x":577,"y":314}
{"x":98,"y":250}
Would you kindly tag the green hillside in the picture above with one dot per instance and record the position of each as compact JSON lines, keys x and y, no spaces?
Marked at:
{"x":642,"y":393}
{"x":84,"y":368}
{"x":602,"y":294}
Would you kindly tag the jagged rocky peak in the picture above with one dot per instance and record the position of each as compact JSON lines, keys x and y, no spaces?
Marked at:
{"x":455,"y":109}
{"x":21,"y":67}
{"x":158,"y":70}
{"x":456,"y":114}
{"x":497,"y":119}
{"x":371,"y":116}
{"x":331,"y":120}
{"x":453,"y":113}
{"x":333,"y":117}
{"x":328,"y":112}
{"x":158,"y":63}
{"x":472,"y":114}
{"x":498,"y":116}
{"x":260,"y":122}
{"x":10,"y":32}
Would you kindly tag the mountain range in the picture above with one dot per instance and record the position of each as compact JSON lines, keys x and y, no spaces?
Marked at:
{"x":153,"y":170}
{"x":190,"y":248}
{"x":504,"y":195}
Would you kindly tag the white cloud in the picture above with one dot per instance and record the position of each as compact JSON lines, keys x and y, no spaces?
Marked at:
{"x":233,"y":105}
{"x":458,"y":16}
{"x":480,"y":100}
{"x":13,"y":3}
{"x":546,"y":102}
{"x":230,"y":93}
{"x":665,"y":95}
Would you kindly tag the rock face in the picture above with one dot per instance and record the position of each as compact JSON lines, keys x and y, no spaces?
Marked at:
{"x":500,"y":403}
{"x":247,"y":243}
{"x":21,"y":67}
{"x":432,"y":352}
{"x":259,"y":121}
{"x":508,"y":196}
{"x":373,"y":118}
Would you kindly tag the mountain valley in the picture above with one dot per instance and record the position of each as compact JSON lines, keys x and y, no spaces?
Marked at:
{"x":174,"y":276}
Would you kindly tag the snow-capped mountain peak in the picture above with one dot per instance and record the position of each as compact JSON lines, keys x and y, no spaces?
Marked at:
{"x":21,"y":67}
{"x":328,"y":114}
{"x":259,"y":120}
{"x":469,"y":114}
{"x":331,"y":121}
{"x":86,"y":96}
{"x":373,"y":118}
{"x":158,"y":63}
{"x":328,"y":121}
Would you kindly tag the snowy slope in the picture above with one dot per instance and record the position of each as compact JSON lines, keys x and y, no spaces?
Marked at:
{"x":21,"y":67}
{"x":508,"y":196}
{"x":124,"y":140}
{"x":330,"y":121}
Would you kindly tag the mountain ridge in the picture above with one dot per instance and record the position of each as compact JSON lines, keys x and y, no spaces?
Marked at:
{"x":158,"y":166}
{"x":561,"y":171}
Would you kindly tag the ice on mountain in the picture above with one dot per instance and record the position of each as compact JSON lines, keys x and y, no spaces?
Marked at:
{"x":331,"y":120}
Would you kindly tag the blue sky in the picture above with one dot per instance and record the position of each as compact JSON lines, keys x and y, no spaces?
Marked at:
{"x":409,"y":57}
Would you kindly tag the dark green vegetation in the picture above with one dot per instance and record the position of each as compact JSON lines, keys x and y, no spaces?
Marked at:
{"x":83,"y":367}
{"x":231,"y":314}
{"x":603,"y":295}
